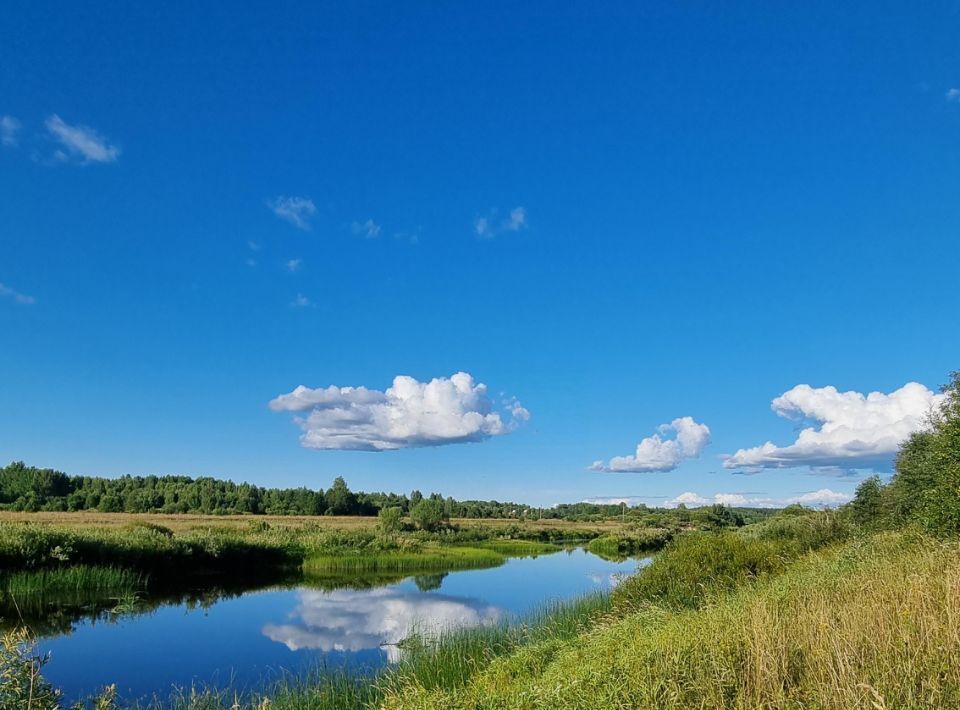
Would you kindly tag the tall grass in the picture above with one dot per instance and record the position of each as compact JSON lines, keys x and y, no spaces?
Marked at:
{"x":425,"y":558}
{"x":66,"y":580}
{"x":872,"y":624}
{"x":519,"y":548}
{"x":626,"y":543}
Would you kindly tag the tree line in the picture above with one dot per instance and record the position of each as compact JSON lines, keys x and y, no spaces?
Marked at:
{"x":32,"y":489}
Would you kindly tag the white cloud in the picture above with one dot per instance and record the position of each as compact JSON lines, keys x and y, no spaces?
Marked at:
{"x":689,"y":499}
{"x":81,"y":142}
{"x":656,"y":453}
{"x":356,"y":620}
{"x":853,"y":430}
{"x":408,"y":414}
{"x":301,"y":301}
{"x":813,"y":499}
{"x":517,"y":220}
{"x":488,"y":226}
{"x":21,"y":298}
{"x":953,"y":95}
{"x":368,"y":229}
{"x":293,"y":265}
{"x":629,"y":501}
{"x":295,"y":210}
{"x":730,"y":499}
{"x":9,"y":131}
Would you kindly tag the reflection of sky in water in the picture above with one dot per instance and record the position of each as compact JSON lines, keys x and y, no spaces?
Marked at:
{"x":358,"y":620}
{"x":255,"y":637}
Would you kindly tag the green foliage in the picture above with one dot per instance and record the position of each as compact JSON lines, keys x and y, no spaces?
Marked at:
{"x":925,"y":489}
{"x":718,"y":517}
{"x":625,"y":544}
{"x":389,"y":520}
{"x":797,"y":532}
{"x":21,"y":684}
{"x":426,"y":557}
{"x":428,"y":514}
{"x":867,"y":508}
{"x":696,"y":565}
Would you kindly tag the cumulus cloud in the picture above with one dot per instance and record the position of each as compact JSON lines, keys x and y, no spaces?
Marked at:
{"x":656,"y":453}
{"x":356,"y":621}
{"x":953,"y":95}
{"x":21,"y":298}
{"x":81,"y":142}
{"x":9,"y":131}
{"x":850,"y":430}
{"x":293,"y":265}
{"x":490,"y":225}
{"x":368,"y":229}
{"x":814,"y":499}
{"x":296,"y":210}
{"x":301,"y":301}
{"x":689,"y":498}
{"x":408,"y":414}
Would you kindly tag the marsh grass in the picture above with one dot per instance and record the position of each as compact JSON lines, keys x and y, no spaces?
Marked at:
{"x":519,"y":548}
{"x":424,"y":558}
{"x":69,"y":580}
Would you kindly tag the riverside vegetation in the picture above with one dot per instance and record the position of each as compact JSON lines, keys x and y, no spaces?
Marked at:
{"x":835,"y":609}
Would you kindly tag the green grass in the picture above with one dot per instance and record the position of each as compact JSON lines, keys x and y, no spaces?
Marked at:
{"x":619,"y":546}
{"x":519,"y":548}
{"x":427,"y":557}
{"x":71,"y":580}
{"x":794,"y":612}
{"x":870,"y":624}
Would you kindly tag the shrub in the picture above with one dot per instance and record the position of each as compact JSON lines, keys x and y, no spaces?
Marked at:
{"x":428,"y":514}
{"x":696,"y":565}
{"x":389,"y":520}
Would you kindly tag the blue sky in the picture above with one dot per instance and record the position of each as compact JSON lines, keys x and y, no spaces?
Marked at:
{"x":622,"y":219}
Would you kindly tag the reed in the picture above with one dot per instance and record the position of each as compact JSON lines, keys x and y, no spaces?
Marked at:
{"x":426,"y":558}
{"x":72,"y":580}
{"x":519,"y":548}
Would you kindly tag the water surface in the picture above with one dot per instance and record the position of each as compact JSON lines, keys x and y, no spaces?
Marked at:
{"x":250,"y":639}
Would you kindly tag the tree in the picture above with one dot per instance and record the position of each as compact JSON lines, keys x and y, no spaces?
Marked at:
{"x":717,"y":517}
{"x":340,"y":499}
{"x":415,"y":497}
{"x":867,"y":507}
{"x":388,"y":520}
{"x":428,"y":514}
{"x":925,"y":489}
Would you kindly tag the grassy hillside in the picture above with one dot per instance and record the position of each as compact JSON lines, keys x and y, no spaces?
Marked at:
{"x":873,"y":623}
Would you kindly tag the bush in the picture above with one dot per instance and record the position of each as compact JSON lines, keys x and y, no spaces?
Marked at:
{"x":428,"y":514}
{"x":796,"y":534}
{"x":696,"y":565}
{"x":389,"y":520}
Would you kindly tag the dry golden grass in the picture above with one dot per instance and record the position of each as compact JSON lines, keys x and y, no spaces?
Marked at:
{"x":873,"y":625}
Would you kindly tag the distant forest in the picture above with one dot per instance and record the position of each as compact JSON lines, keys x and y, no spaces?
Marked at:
{"x":27,"y":488}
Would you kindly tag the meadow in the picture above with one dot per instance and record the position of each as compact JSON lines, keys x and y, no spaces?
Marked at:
{"x":851,"y":608}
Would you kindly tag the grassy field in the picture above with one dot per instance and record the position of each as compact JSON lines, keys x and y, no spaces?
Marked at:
{"x":800,"y":611}
{"x":187,"y":523}
{"x":97,"y":554}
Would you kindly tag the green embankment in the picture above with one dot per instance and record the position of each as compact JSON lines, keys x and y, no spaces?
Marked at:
{"x":872,"y":623}
{"x":427,"y":557}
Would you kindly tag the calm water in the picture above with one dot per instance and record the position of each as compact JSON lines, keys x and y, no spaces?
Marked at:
{"x":250,"y":639}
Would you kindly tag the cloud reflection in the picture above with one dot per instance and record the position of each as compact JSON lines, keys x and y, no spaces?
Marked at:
{"x":357,"y":620}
